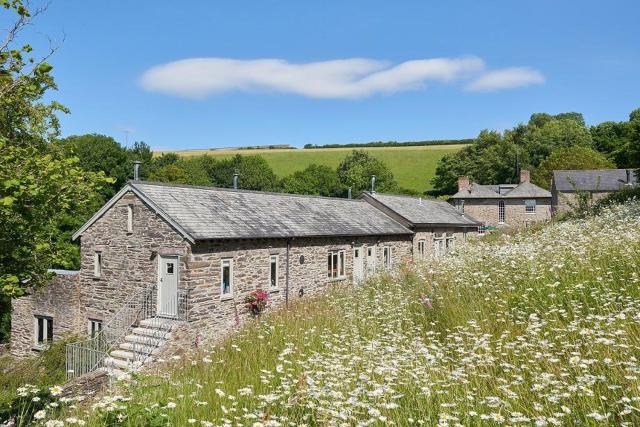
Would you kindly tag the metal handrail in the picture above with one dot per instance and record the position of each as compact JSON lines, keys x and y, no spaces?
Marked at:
{"x":88,"y":355}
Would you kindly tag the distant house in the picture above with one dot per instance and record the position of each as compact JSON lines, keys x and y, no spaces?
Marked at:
{"x":513,"y":205}
{"x":566,"y":184}
{"x":436,"y":225}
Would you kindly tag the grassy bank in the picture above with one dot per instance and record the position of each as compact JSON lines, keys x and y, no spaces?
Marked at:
{"x":413,"y":167}
{"x":537,"y":328}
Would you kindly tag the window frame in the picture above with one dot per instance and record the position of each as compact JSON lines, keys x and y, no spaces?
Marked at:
{"x":449,"y":241}
{"x":386,"y":257}
{"x":129,"y":218}
{"x":226,"y":262}
{"x":94,"y":326}
{"x":530,"y":203}
{"x":97,"y":264}
{"x":47,"y":331}
{"x":439,"y":244}
{"x":336,"y":264}
{"x":273,"y":260}
{"x":422,"y":246}
{"x":502,"y":212}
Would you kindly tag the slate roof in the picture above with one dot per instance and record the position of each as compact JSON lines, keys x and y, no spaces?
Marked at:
{"x":525,"y":190}
{"x":593,"y":180}
{"x":420,"y":211}
{"x":208,"y":213}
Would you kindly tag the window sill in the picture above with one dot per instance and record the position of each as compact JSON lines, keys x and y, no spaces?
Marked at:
{"x":337,"y":279}
{"x":226,"y":298}
{"x":39,"y":348}
{"x":274,"y":290}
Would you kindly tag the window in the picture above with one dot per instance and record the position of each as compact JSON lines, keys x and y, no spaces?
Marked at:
{"x":482,"y":230}
{"x":273,"y":272}
{"x":94,"y":327}
{"x":530,"y":206}
{"x":386,"y":257}
{"x":438,"y":244}
{"x":129,"y":218}
{"x":97,"y":264}
{"x":450,"y":239}
{"x":501,"y":212}
{"x":421,"y":247}
{"x":226,"y":278}
{"x":44,"y":330}
{"x":335,"y":264}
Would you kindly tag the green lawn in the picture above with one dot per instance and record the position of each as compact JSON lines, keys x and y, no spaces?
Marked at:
{"x":413,"y":167}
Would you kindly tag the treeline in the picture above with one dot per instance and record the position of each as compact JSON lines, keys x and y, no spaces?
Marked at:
{"x":392,"y":144}
{"x":545,"y":143}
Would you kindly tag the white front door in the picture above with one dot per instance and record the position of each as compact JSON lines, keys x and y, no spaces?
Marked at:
{"x":168,"y":286}
{"x":358,"y":264}
{"x":371,"y":260}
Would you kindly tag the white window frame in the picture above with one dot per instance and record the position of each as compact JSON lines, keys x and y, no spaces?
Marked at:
{"x":273,"y":281}
{"x":502,"y":212}
{"x":530,"y":203}
{"x":438,"y":244}
{"x":94,"y":326}
{"x":450,"y":240}
{"x":226,"y":262}
{"x":97,"y":264}
{"x":386,"y":257}
{"x":422,"y":246}
{"x":336,"y":272}
{"x":129,"y":218}
{"x":47,"y":325}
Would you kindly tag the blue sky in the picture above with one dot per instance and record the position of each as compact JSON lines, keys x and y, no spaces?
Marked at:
{"x":216,"y":74}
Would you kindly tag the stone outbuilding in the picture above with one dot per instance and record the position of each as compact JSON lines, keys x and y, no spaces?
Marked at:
{"x":192,"y":255}
{"x":596,"y":184}
{"x":503,"y":205}
{"x":437,"y":226}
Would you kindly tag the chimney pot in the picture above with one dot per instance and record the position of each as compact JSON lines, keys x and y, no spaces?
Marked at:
{"x":525,"y":176}
{"x":463,"y":183}
{"x":235,"y":181}
{"x":349,"y":193}
{"x":373,"y":184}
{"x":136,"y":170}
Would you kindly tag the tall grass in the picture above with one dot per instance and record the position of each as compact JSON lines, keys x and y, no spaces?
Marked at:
{"x":535,"y":328}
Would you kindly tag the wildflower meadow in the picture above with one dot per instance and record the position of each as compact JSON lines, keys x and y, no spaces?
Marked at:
{"x":536,"y":328}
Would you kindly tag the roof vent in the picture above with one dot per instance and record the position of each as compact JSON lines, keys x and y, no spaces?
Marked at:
{"x":349,"y":193}
{"x":373,"y":184}
{"x":235,"y":181}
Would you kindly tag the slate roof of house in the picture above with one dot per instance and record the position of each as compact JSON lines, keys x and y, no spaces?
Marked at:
{"x":593,"y":180}
{"x":524,"y":190}
{"x":208,"y":213}
{"x":419,"y":211}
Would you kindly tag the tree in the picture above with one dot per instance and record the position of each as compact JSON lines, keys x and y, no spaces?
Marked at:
{"x":356,"y":169}
{"x":183,"y":171}
{"x":571,"y":158}
{"x":39,"y":187}
{"x":319,"y":180}
{"x":559,"y":133}
{"x":254,"y":173}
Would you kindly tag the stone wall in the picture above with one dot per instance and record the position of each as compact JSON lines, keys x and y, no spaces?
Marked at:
{"x":129,"y":259}
{"x":486,"y":211}
{"x":460,"y":235}
{"x":564,"y":202}
{"x":59,"y":300}
{"x":213,"y":316}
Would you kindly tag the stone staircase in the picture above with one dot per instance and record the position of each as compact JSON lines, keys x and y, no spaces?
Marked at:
{"x":140,"y":346}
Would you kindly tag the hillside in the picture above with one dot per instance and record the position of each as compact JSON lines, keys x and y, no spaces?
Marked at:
{"x":537,"y":328}
{"x":413,"y":167}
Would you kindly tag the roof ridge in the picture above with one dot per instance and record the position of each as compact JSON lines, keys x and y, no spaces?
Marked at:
{"x":239,"y":190}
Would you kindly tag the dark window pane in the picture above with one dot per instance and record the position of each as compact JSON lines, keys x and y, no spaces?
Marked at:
{"x":274,"y":273}
{"x":169,"y":268}
{"x":329,"y":269}
{"x":226,"y":279}
{"x":40,"y":329}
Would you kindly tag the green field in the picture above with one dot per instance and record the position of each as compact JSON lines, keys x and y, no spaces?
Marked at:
{"x":413,"y":167}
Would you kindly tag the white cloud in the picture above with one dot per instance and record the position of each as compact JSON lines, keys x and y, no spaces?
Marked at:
{"x":343,"y":78}
{"x":506,"y":78}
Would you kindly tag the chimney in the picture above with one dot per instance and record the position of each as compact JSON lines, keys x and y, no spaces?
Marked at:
{"x":136,"y":170}
{"x":525,"y":176}
{"x":373,"y":184}
{"x":463,"y":183}
{"x":235,"y":181}
{"x":349,"y":193}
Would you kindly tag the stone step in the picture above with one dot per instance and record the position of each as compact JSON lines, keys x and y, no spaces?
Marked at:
{"x":140,"y":347}
{"x":150,"y":332}
{"x":112,"y":362}
{"x":144,"y":340}
{"x":123,"y":355}
{"x":157,"y":323}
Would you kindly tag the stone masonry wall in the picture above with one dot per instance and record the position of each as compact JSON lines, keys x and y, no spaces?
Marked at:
{"x":129,"y":260}
{"x":428,"y":234}
{"x":486,"y":211}
{"x":564,"y":202}
{"x":58,"y":300}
